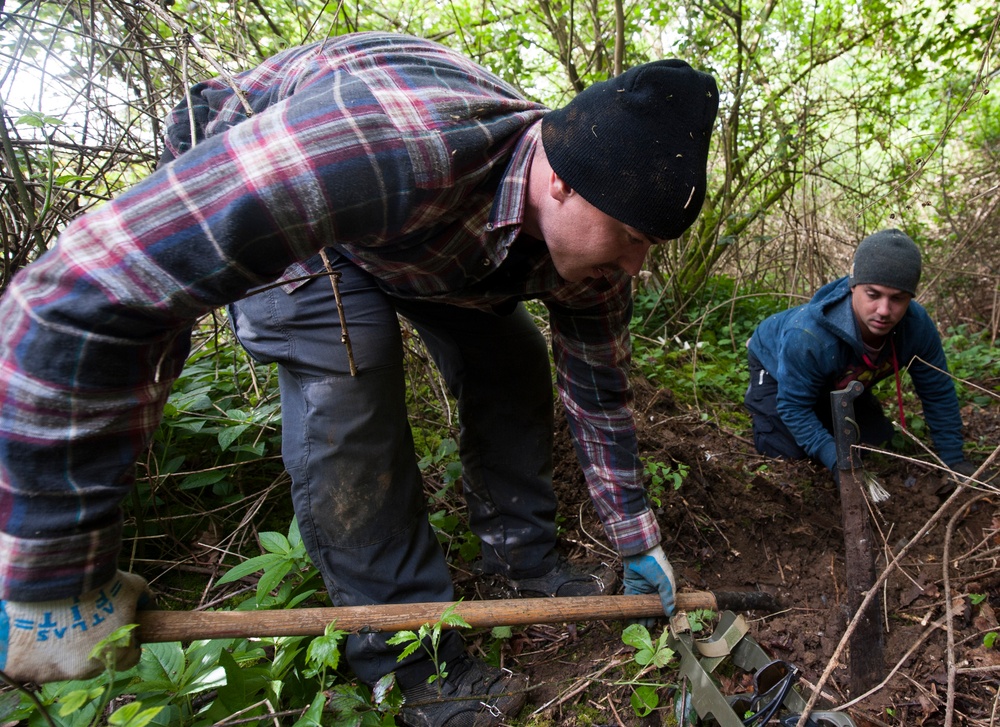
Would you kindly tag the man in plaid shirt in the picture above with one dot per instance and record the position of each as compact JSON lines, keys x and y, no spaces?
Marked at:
{"x":430,"y":189}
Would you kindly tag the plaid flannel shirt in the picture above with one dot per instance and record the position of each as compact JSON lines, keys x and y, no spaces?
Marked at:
{"x":401,"y":154}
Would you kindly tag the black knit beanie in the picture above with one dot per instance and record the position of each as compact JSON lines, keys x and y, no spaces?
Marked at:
{"x":636,"y":146}
{"x":889,"y":258}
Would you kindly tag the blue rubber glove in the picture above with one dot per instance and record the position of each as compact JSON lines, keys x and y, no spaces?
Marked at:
{"x":650,"y":572}
{"x":48,"y":641}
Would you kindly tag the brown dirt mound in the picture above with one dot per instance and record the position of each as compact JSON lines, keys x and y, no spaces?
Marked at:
{"x":742,"y":522}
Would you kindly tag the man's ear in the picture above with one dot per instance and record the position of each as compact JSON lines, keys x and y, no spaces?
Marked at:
{"x":558,"y":189}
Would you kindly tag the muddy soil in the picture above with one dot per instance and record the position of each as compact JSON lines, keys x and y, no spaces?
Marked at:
{"x":742,"y":522}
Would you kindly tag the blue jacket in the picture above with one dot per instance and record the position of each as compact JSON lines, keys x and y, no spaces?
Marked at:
{"x":811,"y":349}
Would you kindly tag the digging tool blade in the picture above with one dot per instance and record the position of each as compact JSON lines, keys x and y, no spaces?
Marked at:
{"x":866,"y":662}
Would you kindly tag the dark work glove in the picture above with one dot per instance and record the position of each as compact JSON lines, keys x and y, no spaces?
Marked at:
{"x":47,"y":641}
{"x":650,"y":572}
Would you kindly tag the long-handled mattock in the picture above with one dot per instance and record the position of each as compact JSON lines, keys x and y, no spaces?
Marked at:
{"x":195,"y":625}
{"x":698,"y":658}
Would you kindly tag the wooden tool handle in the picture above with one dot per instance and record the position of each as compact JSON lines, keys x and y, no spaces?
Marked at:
{"x":195,"y":625}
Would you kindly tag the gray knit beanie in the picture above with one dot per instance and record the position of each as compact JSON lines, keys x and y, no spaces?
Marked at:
{"x":888,"y":258}
{"x":636,"y":146}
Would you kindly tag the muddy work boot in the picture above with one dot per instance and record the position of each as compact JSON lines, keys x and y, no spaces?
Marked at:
{"x":567,"y":579}
{"x":474,"y":694}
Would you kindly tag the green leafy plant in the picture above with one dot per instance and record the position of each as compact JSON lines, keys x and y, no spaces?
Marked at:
{"x":356,"y":707}
{"x":211,"y":682}
{"x":699,"y":355}
{"x":500,"y":635}
{"x":38,"y":119}
{"x":428,"y":638}
{"x":699,"y":619}
{"x":441,"y":463}
{"x":210,"y":401}
{"x":79,"y":703}
{"x":323,"y":652}
{"x":661,"y":476}
{"x":990,"y":639}
{"x":644,"y":699}
{"x":452,"y":530}
{"x":971,"y":355}
{"x":649,"y":654}
{"x":283,"y":556}
{"x":84,"y":703}
{"x":443,"y":460}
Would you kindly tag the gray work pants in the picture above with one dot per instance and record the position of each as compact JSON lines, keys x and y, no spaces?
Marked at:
{"x":347,"y":444}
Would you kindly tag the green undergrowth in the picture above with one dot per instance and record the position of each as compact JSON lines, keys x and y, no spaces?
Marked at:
{"x":700,"y":355}
{"x":298,"y":681}
{"x":211,"y":511}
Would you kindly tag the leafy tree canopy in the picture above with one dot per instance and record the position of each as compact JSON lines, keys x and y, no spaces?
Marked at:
{"x":837,"y":118}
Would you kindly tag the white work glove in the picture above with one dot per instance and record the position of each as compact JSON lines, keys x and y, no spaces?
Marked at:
{"x":650,"y":572}
{"x":47,"y":641}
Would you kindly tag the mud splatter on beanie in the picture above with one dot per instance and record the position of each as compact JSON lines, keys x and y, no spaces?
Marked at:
{"x":636,"y":146}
